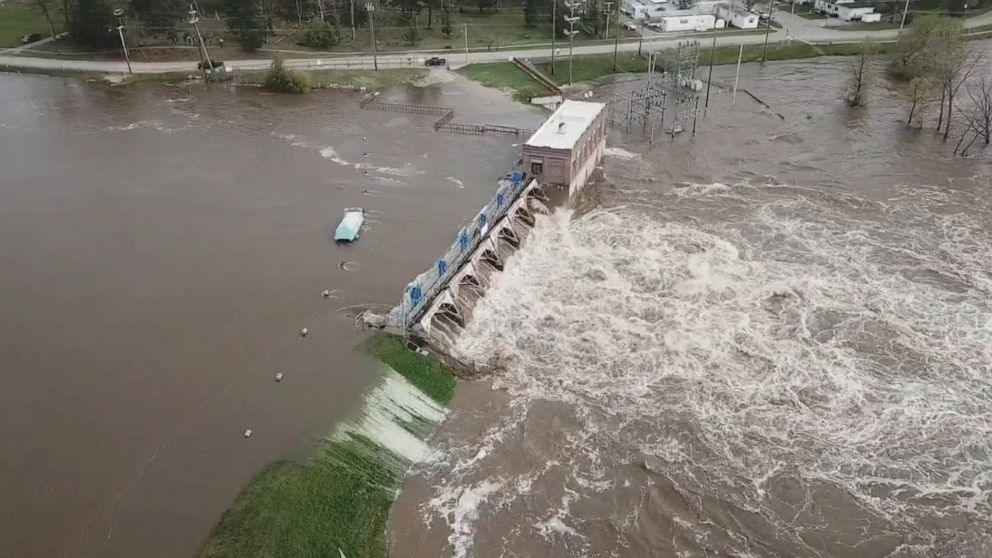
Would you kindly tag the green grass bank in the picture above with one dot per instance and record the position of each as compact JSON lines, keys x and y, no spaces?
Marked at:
{"x":339,"y":500}
{"x":17,"y":18}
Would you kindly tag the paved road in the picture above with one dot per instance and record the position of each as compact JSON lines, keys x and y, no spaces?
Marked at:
{"x":806,"y":33}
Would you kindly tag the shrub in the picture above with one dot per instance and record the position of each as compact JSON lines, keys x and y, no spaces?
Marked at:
{"x":321,"y":35}
{"x":284,"y":80}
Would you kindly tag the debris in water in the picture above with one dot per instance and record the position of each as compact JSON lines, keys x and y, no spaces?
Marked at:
{"x":304,"y":332}
{"x":365,"y":138}
{"x":278,"y":376}
{"x":325,"y":293}
{"x":248,"y":433}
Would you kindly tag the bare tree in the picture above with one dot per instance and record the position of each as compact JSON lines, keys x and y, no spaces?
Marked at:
{"x":958,"y":68}
{"x":859,"y":79}
{"x":979,"y":120}
{"x":43,"y":6}
{"x":919,"y":90}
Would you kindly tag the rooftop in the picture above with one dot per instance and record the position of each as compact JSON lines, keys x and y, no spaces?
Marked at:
{"x":566,"y":125}
{"x":735,"y":10}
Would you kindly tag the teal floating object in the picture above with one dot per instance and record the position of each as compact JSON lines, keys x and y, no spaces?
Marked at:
{"x":350,"y":225}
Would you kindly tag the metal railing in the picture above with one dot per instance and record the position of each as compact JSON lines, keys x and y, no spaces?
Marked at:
{"x":418,"y":295}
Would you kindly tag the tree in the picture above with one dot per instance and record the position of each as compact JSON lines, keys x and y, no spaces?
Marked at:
{"x":91,"y":23}
{"x":160,"y":16}
{"x":45,"y":11}
{"x":748,"y":4}
{"x":245,"y":19}
{"x":412,"y":34}
{"x":689,"y":4}
{"x":858,"y":82}
{"x":530,"y":13}
{"x":446,"y":21}
{"x":979,"y":120}
{"x":321,"y":34}
{"x":485,"y":4}
{"x":919,"y":90}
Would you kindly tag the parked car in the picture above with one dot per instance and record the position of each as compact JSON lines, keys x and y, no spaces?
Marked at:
{"x":435,"y":61}
{"x":630,"y":26}
{"x":214,"y":64}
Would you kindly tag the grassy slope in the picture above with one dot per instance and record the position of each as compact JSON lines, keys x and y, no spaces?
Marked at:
{"x":505,"y":76}
{"x":423,"y":372}
{"x":17,"y":18}
{"x":340,"y":499}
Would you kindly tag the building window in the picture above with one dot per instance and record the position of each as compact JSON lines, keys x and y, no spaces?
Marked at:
{"x":683,"y":21}
{"x":537,"y":167}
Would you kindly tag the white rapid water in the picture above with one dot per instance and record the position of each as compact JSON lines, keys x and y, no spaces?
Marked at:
{"x":741,"y":369}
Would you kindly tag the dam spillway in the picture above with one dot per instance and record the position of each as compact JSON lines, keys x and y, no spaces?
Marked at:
{"x":557,"y":161}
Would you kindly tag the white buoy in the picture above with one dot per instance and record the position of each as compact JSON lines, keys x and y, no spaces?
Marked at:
{"x":278,"y":376}
{"x":365,"y":138}
{"x":325,"y":293}
{"x":304,"y":332}
{"x":248,"y":433}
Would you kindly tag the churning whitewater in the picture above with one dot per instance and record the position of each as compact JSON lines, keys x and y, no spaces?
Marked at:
{"x":736,"y":369}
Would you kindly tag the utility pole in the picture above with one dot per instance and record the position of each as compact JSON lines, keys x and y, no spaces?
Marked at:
{"x":904,"y":10}
{"x":792,"y":19}
{"x":640,"y":37}
{"x":572,"y":20}
{"x":120,"y":31}
{"x":370,"y":7}
{"x":194,"y":18}
{"x":768,"y":28}
{"x":608,"y":4}
{"x":709,"y":80}
{"x":466,"y":44}
{"x":733,"y":98}
{"x":554,"y":32}
{"x":352,"y":20}
{"x":616,"y":39}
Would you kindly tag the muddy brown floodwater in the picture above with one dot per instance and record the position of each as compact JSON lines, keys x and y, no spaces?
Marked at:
{"x":160,"y":249}
{"x":773,"y":339}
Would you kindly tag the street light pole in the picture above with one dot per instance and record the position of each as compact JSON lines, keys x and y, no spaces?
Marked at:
{"x":370,"y":7}
{"x":904,"y":10}
{"x":352,"y":20}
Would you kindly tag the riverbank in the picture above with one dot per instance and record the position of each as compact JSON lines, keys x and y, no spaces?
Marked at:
{"x":339,"y":500}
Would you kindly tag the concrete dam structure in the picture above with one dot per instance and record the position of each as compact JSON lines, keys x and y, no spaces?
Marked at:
{"x":557,"y":161}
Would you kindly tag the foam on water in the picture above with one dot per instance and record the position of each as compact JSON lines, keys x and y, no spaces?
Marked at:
{"x":621,"y":153}
{"x":389,"y":406}
{"x":751,"y":336}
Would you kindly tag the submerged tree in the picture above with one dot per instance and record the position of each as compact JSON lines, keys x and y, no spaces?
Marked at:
{"x":919,"y":91}
{"x":857,"y":86}
{"x":978,"y":124}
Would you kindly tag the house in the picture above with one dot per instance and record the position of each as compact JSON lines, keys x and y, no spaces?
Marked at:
{"x":854,"y":11}
{"x":566,"y":149}
{"x":827,"y":6}
{"x":674,"y":21}
{"x":643,"y":10}
{"x":738,"y":17}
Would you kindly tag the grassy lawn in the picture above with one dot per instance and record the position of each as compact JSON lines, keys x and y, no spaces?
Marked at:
{"x":338,"y":502}
{"x":811,"y":15}
{"x":505,"y":76}
{"x":17,"y":18}
{"x":862,"y":26}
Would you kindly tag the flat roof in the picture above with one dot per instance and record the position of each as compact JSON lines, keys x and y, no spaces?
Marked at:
{"x":564,"y":128}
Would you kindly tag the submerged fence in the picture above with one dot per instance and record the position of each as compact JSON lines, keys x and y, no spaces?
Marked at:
{"x":444,"y":123}
{"x":425,"y":287}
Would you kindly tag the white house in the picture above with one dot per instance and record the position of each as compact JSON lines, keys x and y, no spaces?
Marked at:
{"x":738,"y":17}
{"x":685,"y":22}
{"x":853,"y":11}
{"x":827,"y":6}
{"x":873,"y":17}
{"x":643,"y":10}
